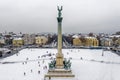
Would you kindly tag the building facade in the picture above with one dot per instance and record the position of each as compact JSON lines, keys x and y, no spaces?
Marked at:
{"x":41,"y":40}
{"x":77,"y":42}
{"x":86,"y":41}
{"x":107,"y":42}
{"x":17,"y":42}
{"x":2,"y":41}
{"x":29,"y":39}
{"x":91,"y":41}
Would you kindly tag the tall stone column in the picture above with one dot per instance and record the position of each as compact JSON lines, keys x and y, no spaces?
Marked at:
{"x":59,"y":56}
{"x":58,"y":70}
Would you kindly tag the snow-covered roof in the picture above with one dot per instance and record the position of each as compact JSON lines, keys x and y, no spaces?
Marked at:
{"x":115,"y":36}
{"x":107,"y":39}
{"x":91,"y":37}
{"x":75,"y":36}
{"x":17,"y":39}
{"x":4,"y":49}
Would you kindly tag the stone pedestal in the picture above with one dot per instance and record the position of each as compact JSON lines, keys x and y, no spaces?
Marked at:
{"x":59,"y":61}
{"x":59,"y":73}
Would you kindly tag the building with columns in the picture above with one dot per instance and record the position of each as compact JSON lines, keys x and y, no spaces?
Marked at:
{"x":29,"y":39}
{"x":41,"y":40}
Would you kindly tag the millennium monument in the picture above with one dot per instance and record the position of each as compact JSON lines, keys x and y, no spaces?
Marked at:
{"x":59,"y":67}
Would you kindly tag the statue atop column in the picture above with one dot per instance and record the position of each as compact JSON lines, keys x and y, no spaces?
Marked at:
{"x":59,"y":9}
{"x":59,"y":18}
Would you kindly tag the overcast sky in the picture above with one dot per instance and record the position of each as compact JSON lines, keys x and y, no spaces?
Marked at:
{"x":81,"y":16}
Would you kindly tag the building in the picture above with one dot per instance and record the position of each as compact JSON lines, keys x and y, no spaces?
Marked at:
{"x":86,"y":41}
{"x":2,"y":40}
{"x":117,"y":42}
{"x":8,"y":39}
{"x":4,"y":51}
{"x":77,"y":42}
{"x":17,"y":42}
{"x":41,"y":40}
{"x":29,"y":39}
{"x":91,"y":41}
{"x":107,"y":42}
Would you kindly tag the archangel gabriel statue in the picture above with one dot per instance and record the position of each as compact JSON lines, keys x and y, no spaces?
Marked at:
{"x":59,"y":9}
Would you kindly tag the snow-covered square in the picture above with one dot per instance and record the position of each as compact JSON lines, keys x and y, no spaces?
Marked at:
{"x":87,"y":64}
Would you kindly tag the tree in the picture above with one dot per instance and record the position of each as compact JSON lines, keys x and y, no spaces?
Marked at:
{"x":117,"y":33}
{"x":114,"y":40}
{"x":91,"y":34}
{"x":0,"y":53}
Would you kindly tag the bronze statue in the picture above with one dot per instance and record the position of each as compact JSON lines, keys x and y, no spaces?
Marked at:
{"x":59,"y":9}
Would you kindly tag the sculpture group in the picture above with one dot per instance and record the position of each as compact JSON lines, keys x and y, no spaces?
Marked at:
{"x":67,"y":64}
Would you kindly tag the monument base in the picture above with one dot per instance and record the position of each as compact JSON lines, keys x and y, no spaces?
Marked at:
{"x":59,"y":62}
{"x":59,"y":73}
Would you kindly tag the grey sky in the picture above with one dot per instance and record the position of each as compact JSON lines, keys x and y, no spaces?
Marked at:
{"x":81,"y":16}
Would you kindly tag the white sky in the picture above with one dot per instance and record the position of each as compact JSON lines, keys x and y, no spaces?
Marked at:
{"x":81,"y":16}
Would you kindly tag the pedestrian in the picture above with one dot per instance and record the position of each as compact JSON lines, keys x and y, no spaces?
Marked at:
{"x":44,"y":78}
{"x":43,"y":61}
{"x":38,"y":57}
{"x":45,"y":67}
{"x":31,"y":71}
{"x":16,"y":54}
{"x":38,"y":72}
{"x":81,"y":58}
{"x":27,"y":58}
{"x":70,"y":57}
{"x":51,"y":58}
{"x":25,"y":62}
{"x":24,"y":73}
{"x":67,"y":53}
{"x":39,"y":65}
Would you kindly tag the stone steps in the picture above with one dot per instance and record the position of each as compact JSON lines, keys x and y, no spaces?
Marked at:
{"x":59,"y":73}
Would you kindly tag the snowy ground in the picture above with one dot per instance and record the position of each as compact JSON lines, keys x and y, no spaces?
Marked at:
{"x":86,"y":64}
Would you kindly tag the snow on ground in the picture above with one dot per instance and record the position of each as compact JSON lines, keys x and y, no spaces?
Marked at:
{"x":87,"y":64}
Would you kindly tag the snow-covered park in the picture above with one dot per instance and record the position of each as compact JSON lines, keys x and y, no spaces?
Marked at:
{"x":87,"y":64}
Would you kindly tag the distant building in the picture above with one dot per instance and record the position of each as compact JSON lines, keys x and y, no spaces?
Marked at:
{"x":29,"y":39}
{"x":17,"y":42}
{"x":85,"y":41}
{"x":41,"y":40}
{"x":8,"y":39}
{"x":77,"y":42}
{"x":107,"y":42}
{"x":2,"y":40}
{"x":91,"y":41}
{"x":117,"y":42}
{"x":4,"y":51}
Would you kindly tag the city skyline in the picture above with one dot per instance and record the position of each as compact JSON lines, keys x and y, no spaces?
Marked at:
{"x":79,"y":16}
